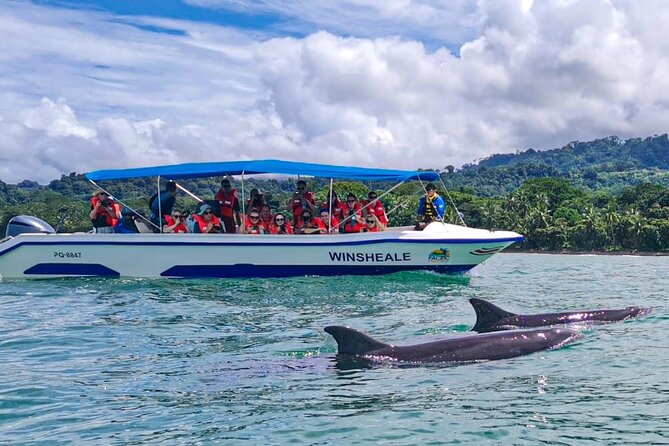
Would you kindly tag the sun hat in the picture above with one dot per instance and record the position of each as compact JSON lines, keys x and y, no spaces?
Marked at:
{"x":99,"y":191}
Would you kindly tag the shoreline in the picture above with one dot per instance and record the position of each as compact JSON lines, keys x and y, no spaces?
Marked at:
{"x":594,"y":253}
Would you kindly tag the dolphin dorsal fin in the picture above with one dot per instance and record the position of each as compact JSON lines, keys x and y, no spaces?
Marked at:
{"x":353,"y":342}
{"x":487,"y":314}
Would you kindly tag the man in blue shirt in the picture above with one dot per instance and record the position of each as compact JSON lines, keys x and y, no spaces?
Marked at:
{"x":166,"y":201}
{"x":431,"y":207}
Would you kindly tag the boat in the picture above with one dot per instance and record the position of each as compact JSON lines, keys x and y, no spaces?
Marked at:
{"x":34,"y":250}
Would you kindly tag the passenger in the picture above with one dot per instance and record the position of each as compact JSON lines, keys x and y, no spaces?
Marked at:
{"x":256,"y":200}
{"x":281,"y":225}
{"x":375,"y":207}
{"x":310,"y":225}
{"x":266,"y":218}
{"x":332,"y":226}
{"x":338,"y":206}
{"x":230,"y":209}
{"x":104,"y":212}
{"x":253,"y":225}
{"x":126,"y":224}
{"x":163,"y":203}
{"x":431,"y":207}
{"x":372,"y":224}
{"x":175,"y":223}
{"x":353,"y":216}
{"x":301,"y":200}
{"x":206,"y":222}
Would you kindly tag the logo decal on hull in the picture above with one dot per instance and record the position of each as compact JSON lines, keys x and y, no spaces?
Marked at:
{"x":487,"y":251}
{"x":439,"y":255}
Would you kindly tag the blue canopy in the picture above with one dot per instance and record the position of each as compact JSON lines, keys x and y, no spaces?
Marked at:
{"x":198,"y":170}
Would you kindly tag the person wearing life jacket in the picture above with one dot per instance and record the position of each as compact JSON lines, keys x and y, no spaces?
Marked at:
{"x":372,"y":224}
{"x":353,"y":216}
{"x":105,"y":213}
{"x":331,"y":224}
{"x":266,"y":218}
{"x":206,"y":222}
{"x":338,"y":206}
{"x":310,"y":224}
{"x":374,"y":206}
{"x":175,"y":223}
{"x":431,"y":207}
{"x":230,"y":210}
{"x":301,"y":200}
{"x":163,"y":203}
{"x":253,"y":224}
{"x":256,"y":200}
{"x":281,"y":224}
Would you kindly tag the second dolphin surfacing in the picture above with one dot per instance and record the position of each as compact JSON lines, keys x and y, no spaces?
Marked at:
{"x":462,"y":349}
{"x":490,"y":317}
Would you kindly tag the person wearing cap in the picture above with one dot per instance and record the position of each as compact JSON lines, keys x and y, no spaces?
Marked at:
{"x":230,"y":209}
{"x":163,"y":203}
{"x":206,"y":222}
{"x":431,"y":207}
{"x":104,"y":212}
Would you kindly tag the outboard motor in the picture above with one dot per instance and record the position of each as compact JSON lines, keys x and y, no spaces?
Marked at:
{"x":27,"y":224}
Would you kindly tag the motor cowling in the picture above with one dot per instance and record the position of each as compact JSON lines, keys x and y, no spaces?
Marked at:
{"x":27,"y":224}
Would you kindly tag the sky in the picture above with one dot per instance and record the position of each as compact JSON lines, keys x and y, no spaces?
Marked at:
{"x":402,"y":84}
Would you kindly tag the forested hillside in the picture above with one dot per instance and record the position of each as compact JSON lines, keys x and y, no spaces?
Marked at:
{"x":609,"y":163}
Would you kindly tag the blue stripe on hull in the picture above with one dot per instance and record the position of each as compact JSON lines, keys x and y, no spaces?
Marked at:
{"x":246,"y":270}
{"x":71,"y":269}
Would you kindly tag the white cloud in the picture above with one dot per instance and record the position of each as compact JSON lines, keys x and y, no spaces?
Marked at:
{"x":82,"y":90}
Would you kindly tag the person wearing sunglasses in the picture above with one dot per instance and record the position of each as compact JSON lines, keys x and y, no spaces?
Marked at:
{"x":253,"y":224}
{"x":310,"y":224}
{"x":374,"y":207}
{"x":206,"y":221}
{"x":353,"y":216}
{"x":431,"y":207}
{"x":301,"y":200}
{"x":230,"y":209}
{"x":372,"y":224}
{"x":175,"y":223}
{"x":281,"y":225}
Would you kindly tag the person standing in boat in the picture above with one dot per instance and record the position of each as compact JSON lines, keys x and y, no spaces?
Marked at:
{"x":104,"y":212}
{"x":230,"y":209}
{"x":302,"y":200}
{"x":163,"y":203}
{"x":431,"y":207}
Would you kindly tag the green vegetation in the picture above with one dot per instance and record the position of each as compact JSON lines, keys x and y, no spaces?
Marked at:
{"x":603,"y":195}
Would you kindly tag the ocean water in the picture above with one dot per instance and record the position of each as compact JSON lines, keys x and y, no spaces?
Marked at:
{"x":119,"y":362}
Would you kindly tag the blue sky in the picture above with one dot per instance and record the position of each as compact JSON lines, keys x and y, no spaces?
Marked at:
{"x":86,"y":85}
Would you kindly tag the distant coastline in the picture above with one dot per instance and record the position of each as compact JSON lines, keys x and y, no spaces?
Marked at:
{"x":595,"y":253}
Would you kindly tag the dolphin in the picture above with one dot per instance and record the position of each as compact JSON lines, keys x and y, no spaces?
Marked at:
{"x":470,"y":348}
{"x":490,"y":317}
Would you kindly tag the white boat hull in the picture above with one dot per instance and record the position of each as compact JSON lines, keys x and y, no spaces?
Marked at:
{"x":440,"y":247}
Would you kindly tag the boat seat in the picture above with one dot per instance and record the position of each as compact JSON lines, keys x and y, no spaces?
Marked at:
{"x":143,"y":227}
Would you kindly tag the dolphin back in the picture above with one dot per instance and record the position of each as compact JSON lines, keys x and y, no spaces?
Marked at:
{"x":353,"y":342}
{"x":487,"y":315}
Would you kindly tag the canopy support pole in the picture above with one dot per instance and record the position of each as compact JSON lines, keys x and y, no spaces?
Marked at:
{"x":160,"y":208}
{"x":243,"y":205}
{"x":330,"y":210}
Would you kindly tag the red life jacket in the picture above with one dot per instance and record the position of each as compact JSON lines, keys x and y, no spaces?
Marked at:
{"x":180,"y":228}
{"x":376,"y":209}
{"x":297,"y":205}
{"x":337,"y":208}
{"x":288,"y":229}
{"x":202,"y":224}
{"x":227,"y":202}
{"x":350,"y":225}
{"x":103,"y":218}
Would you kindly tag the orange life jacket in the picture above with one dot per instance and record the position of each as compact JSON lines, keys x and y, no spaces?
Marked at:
{"x":202,"y":224}
{"x":103,"y":218}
